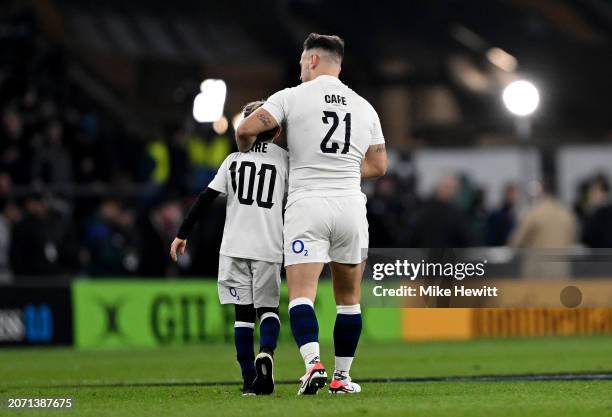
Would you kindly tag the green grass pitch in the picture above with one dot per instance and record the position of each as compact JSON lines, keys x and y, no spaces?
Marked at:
{"x":172,"y":381}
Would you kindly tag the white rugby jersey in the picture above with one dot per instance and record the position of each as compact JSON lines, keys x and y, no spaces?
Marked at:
{"x":255,"y":184}
{"x":329,"y":130}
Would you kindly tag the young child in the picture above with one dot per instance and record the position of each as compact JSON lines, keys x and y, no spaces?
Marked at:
{"x":252,"y":248}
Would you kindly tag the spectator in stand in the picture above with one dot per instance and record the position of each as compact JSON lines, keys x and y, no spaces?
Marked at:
{"x":501,"y":221}
{"x":206,"y":153}
{"x":477,"y":216}
{"x":15,"y":150}
{"x":179,"y":161}
{"x":547,"y":225}
{"x":597,"y":227}
{"x":5,"y":239}
{"x":440,"y":223}
{"x":156,"y":232}
{"x":110,"y":242}
{"x":34,"y":247}
{"x":385,"y":213}
{"x":9,"y":214}
{"x":52,"y":163}
{"x":84,"y":156}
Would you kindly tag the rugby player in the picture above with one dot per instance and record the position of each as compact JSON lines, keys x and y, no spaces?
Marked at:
{"x":252,"y":248}
{"x":334,"y":139}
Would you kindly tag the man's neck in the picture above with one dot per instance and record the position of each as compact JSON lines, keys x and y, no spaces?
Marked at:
{"x":330,"y":73}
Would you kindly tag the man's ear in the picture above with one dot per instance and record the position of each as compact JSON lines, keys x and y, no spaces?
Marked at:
{"x":314,"y":61}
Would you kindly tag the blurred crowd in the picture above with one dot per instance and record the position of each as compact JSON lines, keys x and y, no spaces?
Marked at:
{"x":454,"y":215}
{"x":83,"y":195}
{"x":81,"y":192}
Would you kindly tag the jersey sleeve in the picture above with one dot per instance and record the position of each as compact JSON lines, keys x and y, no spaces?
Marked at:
{"x":219,"y":183}
{"x":376,"y":133}
{"x":277,"y":105}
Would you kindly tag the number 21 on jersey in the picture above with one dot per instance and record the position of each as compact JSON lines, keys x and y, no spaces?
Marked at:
{"x":335,"y":120}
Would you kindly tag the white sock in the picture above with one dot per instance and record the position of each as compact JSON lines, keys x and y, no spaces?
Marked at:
{"x":343,"y":365}
{"x":310,"y":353}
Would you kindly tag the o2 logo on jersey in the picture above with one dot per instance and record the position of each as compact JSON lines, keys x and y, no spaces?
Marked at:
{"x":234,"y":293}
{"x":298,"y":247}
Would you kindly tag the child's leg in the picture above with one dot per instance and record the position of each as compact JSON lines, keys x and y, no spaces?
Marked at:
{"x":235,"y":286}
{"x":244,"y":327}
{"x":266,"y":295}
{"x":269,"y":328}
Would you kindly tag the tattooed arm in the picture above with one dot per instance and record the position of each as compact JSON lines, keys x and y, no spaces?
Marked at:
{"x":375,"y":162}
{"x":258,"y":121}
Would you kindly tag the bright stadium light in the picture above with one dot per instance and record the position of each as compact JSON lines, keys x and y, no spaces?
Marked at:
{"x":521,"y":98}
{"x":208,"y":105}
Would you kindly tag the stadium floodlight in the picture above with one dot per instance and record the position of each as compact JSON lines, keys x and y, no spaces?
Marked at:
{"x":208,"y":104}
{"x":521,"y":98}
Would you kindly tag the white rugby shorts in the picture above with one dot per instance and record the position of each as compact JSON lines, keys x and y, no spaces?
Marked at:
{"x":246,"y":281}
{"x":324,"y":229}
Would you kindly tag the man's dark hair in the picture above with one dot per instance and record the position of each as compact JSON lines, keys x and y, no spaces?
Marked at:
{"x":330,"y":43}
